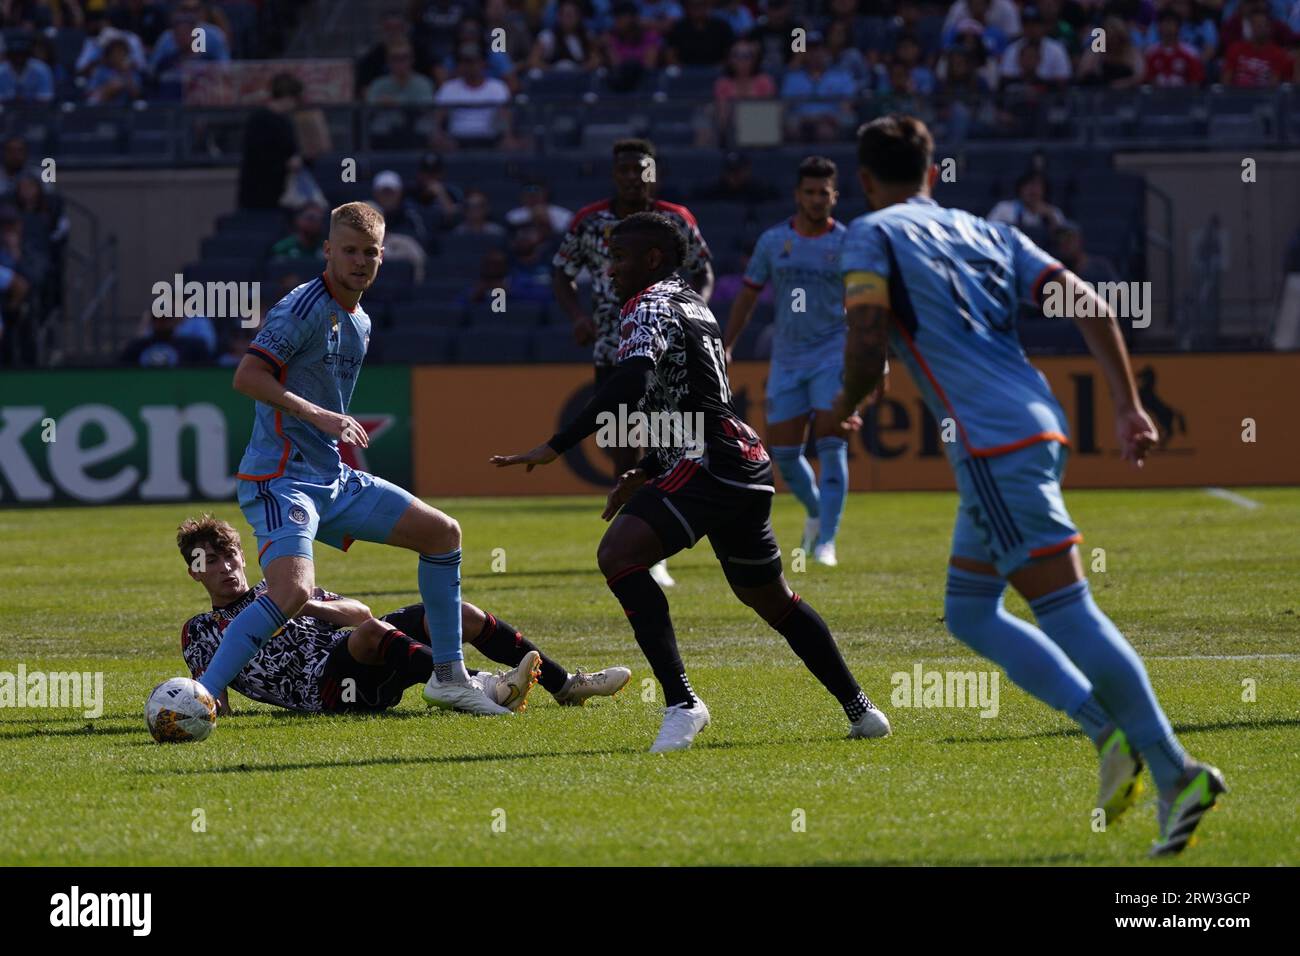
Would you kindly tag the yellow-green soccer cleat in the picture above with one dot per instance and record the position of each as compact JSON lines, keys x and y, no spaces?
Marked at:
{"x":1121,"y":775}
{"x":1178,"y":815}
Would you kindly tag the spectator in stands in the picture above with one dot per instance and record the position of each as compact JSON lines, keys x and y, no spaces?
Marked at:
{"x":400,"y":247}
{"x":535,"y":208}
{"x":473,"y":107}
{"x":567,"y":45}
{"x":1030,"y":212}
{"x":1195,"y":30}
{"x":737,"y":183}
{"x":741,"y":80}
{"x":270,"y":146}
{"x":845,"y":56}
{"x":1258,"y":63}
{"x":46,"y":225}
{"x":1002,"y":15}
{"x":98,"y":35}
{"x":437,"y":202}
{"x":14,"y":164}
{"x":435,"y":28}
{"x":498,"y":62}
{"x":1062,"y":20}
{"x":24,"y":78}
{"x":699,"y":39}
{"x":630,"y":50}
{"x":401,"y":85}
{"x":530,"y":266}
{"x":659,"y":15}
{"x":1053,"y":63}
{"x":394,"y":29}
{"x":820,"y":98}
{"x":237,"y":345}
{"x":477,"y":221}
{"x":775,"y":51}
{"x":858,"y":32}
{"x":959,"y":72}
{"x":493,"y":273}
{"x":145,"y":19}
{"x":400,"y":214}
{"x":508,"y":16}
{"x":306,"y":240}
{"x":115,"y":80}
{"x":1237,"y":26}
{"x":179,"y":42}
{"x":977,"y":17}
{"x":907,"y":72}
{"x":970,"y":42}
{"x":1071,"y":252}
{"x":1121,"y":66}
{"x":1170,"y":61}
{"x":163,"y":347}
{"x":736,"y":15}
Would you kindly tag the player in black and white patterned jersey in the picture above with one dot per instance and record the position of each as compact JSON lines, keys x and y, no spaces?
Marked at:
{"x":334,"y":655}
{"x":671,"y":361}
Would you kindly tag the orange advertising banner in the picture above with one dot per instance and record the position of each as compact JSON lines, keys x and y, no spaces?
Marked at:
{"x":1224,"y":419}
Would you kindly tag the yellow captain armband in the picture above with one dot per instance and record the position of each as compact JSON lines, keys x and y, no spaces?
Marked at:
{"x":865,"y":288}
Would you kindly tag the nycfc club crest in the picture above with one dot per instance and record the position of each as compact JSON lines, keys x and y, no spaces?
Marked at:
{"x":298,"y":514}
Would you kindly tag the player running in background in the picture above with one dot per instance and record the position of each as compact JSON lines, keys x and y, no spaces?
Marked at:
{"x":801,"y":257}
{"x":586,"y":246}
{"x":307,"y":666}
{"x":942,"y":286}
{"x":670,"y":361}
{"x":294,"y":489}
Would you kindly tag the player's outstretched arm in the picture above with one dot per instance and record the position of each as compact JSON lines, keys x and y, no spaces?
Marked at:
{"x":566,"y":297}
{"x":255,"y":378}
{"x":1133,"y":427}
{"x":742,"y":310}
{"x":865,"y":350}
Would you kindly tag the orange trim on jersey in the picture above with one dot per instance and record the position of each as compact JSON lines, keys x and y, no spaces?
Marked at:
{"x":284,"y":455}
{"x":830,"y":224}
{"x":970,"y":449}
{"x":262,"y":550}
{"x":1017,"y":445}
{"x":751,"y":283}
{"x":1057,"y":548}
{"x":1048,"y":270}
{"x":268,"y":356}
{"x":330,"y":289}
{"x":660,"y":204}
{"x":587,"y":210}
{"x":348,"y":542}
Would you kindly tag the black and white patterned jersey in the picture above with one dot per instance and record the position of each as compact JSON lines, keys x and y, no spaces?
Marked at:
{"x":286,"y":671}
{"x":586,"y":246}
{"x":670,"y":324}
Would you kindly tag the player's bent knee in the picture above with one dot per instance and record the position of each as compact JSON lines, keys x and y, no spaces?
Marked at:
{"x":363,"y":642}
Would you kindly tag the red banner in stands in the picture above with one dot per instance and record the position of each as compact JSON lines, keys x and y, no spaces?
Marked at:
{"x":1224,"y":420}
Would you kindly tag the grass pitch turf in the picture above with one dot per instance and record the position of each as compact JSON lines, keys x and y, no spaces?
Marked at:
{"x":1205,"y":589}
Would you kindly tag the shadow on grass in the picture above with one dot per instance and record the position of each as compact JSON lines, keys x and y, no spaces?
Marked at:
{"x":1058,"y":859}
{"x":1178,"y":728}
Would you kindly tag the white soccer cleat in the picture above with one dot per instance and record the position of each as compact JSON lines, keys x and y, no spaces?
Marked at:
{"x":811,"y":528}
{"x":582,"y":685}
{"x":510,"y":688}
{"x":681,"y":724}
{"x":661,"y":576}
{"x":825,"y":554}
{"x":467,"y":697}
{"x":872,"y":723}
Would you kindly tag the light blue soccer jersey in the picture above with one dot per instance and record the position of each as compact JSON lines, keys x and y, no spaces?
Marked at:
{"x":317,"y":347}
{"x":952,"y":282}
{"x":791,"y":262}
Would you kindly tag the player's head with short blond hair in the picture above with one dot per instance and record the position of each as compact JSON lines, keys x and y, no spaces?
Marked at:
{"x":362,"y":217}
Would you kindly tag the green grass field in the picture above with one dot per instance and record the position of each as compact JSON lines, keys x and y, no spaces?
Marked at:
{"x":1204,"y":588}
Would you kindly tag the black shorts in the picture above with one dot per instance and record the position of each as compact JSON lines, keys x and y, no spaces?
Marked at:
{"x":687,"y":503}
{"x":374,"y":687}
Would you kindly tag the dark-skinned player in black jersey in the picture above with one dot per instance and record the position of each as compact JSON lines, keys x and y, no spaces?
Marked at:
{"x":717,"y":484}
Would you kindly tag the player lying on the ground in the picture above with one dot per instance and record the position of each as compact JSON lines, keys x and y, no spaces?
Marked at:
{"x":309,"y":664}
{"x":943,"y":287}
{"x":294,"y":488}
{"x":671,"y":362}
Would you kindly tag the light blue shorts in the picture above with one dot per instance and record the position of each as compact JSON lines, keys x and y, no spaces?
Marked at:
{"x":794,"y":392}
{"x":1011,"y":510}
{"x":288,"y":514}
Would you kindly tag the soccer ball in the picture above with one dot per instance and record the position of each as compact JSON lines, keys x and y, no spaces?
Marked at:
{"x":180,"y":710}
